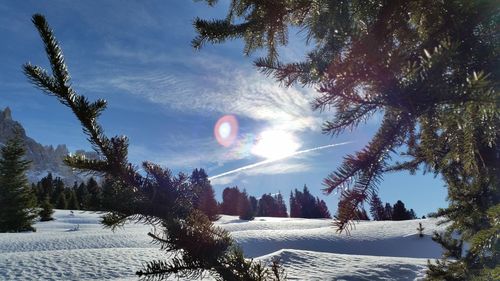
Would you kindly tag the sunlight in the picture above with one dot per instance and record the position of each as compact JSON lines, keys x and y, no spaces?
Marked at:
{"x":275,"y":144}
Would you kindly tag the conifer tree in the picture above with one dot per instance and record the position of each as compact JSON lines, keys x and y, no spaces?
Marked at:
{"x":207,"y":203}
{"x":431,"y":67}
{"x":58,"y":187}
{"x":399,"y":212}
{"x":72,"y":199}
{"x":17,"y":201}
{"x":272,"y":206}
{"x":95,"y":194}
{"x":377,"y":209}
{"x":388,"y":211}
{"x":158,"y":198}
{"x":266,"y":206}
{"x":420,"y":230}
{"x":254,"y":204}
{"x":411,"y":214}
{"x":230,"y":201}
{"x":362,"y":215}
{"x":83,"y":197}
{"x":47,"y":187}
{"x":295,"y":207}
{"x":280,"y":206}
{"x":46,"y":210}
{"x":304,"y":205}
{"x":322,"y":209}
{"x":61,"y":202}
{"x":245,"y":211}
{"x":36,"y":189}
{"x":203,"y":194}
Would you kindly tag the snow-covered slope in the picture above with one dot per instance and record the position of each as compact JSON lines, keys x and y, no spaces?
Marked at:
{"x":76,"y":247}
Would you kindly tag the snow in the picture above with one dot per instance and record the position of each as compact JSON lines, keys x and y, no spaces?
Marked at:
{"x":76,"y":247}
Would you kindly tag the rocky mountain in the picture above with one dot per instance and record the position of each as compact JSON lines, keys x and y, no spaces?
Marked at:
{"x":44,"y":158}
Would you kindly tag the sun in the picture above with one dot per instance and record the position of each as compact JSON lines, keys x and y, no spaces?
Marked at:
{"x":275,"y":144}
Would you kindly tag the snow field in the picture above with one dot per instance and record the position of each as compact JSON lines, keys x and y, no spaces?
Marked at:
{"x":309,"y":249}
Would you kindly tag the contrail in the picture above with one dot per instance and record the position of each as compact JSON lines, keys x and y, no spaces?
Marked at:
{"x":276,"y":159}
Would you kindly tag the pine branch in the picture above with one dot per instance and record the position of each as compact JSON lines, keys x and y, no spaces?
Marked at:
{"x":359,"y":175}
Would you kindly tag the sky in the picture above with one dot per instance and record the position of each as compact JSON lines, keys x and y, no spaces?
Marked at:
{"x":168,"y":98}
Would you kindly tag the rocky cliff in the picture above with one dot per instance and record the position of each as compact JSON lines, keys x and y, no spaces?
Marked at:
{"x":44,"y":158}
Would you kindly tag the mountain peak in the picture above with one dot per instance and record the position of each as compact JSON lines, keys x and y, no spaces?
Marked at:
{"x":43,"y":159}
{"x":6,"y":114}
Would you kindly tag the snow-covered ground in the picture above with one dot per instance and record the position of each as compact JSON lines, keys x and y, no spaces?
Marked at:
{"x":309,"y":249}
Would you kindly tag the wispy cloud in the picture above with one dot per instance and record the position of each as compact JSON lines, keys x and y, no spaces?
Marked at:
{"x":212,"y":84}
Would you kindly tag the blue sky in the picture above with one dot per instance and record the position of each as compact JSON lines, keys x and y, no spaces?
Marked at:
{"x":167,"y":97}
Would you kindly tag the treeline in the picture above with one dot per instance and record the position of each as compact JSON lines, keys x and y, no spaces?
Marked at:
{"x":396,"y":212}
{"x":51,"y":192}
{"x":84,"y":196}
{"x":302,"y":205}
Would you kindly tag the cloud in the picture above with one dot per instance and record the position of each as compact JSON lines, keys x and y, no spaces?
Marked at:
{"x":214,"y":85}
{"x":205,"y":85}
{"x":224,"y":180}
{"x":181,"y":152}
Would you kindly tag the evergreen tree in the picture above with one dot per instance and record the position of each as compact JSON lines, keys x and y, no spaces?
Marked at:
{"x":267,"y":206}
{"x":95,"y":194}
{"x":72,"y":199}
{"x":430,"y":66}
{"x":412,"y":215}
{"x":203,"y":194}
{"x":420,"y":230}
{"x":399,"y":212}
{"x":323,"y":211}
{"x":388,"y":211}
{"x":207,"y":203}
{"x":280,"y":206}
{"x":377,"y":209}
{"x":295,"y":207}
{"x":245,"y":211}
{"x":47,"y":187}
{"x":199,"y":180}
{"x":46,"y":210}
{"x":17,"y":201}
{"x":308,"y":203}
{"x":157,"y":198}
{"x":310,"y":206}
{"x":254,"y":204}
{"x":36,"y":190}
{"x":362,"y":215}
{"x":109,"y":194}
{"x":62,"y":202}
{"x":58,"y":187}
{"x":272,"y":206}
{"x":230,"y":201}
{"x":83,"y":197}
{"x":304,"y":205}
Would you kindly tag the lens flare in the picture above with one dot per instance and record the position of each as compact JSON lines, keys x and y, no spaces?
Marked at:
{"x":226,"y":130}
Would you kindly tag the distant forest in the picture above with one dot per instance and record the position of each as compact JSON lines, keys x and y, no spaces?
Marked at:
{"x":94,"y":196}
